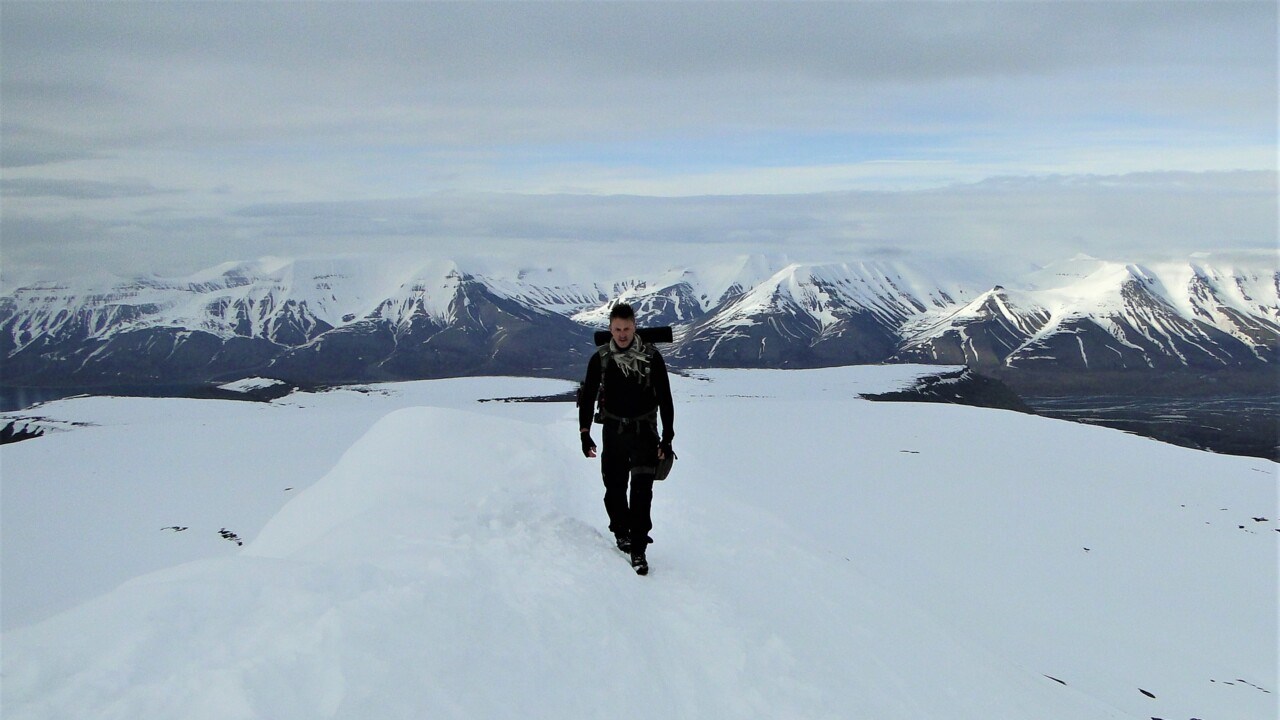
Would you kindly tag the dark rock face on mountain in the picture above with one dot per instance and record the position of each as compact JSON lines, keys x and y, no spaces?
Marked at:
{"x":788,"y":338}
{"x":134,"y":355}
{"x":675,"y":304}
{"x":806,"y":317}
{"x":481,"y":333}
{"x":349,"y":354}
{"x":983,"y":334}
{"x":485,"y":335}
{"x":960,"y":387}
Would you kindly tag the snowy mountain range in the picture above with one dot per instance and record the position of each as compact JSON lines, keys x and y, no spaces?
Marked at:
{"x":364,"y":319}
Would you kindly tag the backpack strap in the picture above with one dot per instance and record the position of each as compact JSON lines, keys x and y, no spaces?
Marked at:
{"x":629,"y":424}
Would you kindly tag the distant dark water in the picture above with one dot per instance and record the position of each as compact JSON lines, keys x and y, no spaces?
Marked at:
{"x":18,"y":398}
{"x":1236,"y":425}
{"x":21,"y":398}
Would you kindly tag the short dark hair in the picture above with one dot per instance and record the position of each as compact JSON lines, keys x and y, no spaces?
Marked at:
{"x":623,"y":311}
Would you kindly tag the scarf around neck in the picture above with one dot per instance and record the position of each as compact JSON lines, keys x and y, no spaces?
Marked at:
{"x":633,"y":360}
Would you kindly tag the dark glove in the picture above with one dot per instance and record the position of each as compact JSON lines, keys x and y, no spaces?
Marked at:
{"x":665,"y":448}
{"x":587,"y":444}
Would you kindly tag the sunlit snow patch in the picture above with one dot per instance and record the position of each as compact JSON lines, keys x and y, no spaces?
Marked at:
{"x":250,"y":384}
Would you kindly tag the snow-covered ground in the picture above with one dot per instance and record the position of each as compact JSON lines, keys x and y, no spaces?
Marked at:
{"x":410,"y":552}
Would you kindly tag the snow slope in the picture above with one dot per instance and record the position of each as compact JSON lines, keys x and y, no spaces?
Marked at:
{"x":817,"y":556}
{"x":81,"y":511}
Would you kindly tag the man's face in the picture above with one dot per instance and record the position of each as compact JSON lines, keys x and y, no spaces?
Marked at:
{"x":623,"y":331}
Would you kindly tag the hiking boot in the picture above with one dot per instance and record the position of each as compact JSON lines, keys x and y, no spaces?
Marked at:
{"x":639,"y":563}
{"x":623,"y":542}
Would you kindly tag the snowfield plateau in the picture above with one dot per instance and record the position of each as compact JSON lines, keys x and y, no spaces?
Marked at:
{"x":407,"y":551}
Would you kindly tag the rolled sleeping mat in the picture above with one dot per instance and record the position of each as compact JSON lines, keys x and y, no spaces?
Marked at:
{"x":649,"y":335}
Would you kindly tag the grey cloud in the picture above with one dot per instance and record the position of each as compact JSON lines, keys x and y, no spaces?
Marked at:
{"x":19,"y":156}
{"x":61,"y":248}
{"x":581,"y":218}
{"x":1040,"y":219}
{"x":26,"y":146}
{"x":434,"y":40}
{"x":484,"y":72}
{"x":77,"y":189}
{"x":1141,"y":215}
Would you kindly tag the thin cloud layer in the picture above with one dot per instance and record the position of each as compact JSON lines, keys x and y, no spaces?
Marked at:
{"x":1005,"y":223}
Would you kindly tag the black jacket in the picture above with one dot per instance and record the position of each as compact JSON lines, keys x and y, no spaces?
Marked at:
{"x":628,"y":397}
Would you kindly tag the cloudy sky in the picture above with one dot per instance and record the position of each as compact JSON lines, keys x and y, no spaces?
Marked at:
{"x":169,"y":137}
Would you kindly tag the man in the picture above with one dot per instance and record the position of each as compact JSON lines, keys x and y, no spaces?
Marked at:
{"x":630,"y":378}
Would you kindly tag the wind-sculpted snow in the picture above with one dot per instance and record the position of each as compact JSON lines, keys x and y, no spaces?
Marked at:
{"x":429,"y":467}
{"x":816,"y":556}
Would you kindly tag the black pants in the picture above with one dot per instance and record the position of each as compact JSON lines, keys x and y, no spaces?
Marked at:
{"x":630,"y":454}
